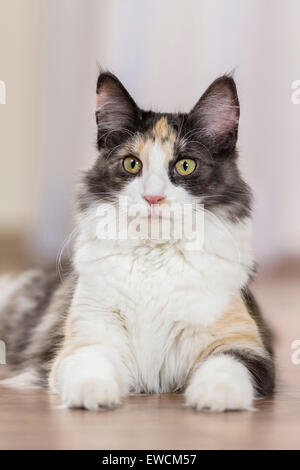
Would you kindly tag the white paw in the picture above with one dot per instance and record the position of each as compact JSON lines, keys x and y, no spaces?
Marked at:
{"x":90,"y":392}
{"x":90,"y":381}
{"x":221,"y":383}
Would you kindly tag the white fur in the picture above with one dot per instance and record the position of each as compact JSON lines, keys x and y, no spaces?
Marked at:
{"x":148,"y":306}
{"x":141,"y":308}
{"x":221,"y":383}
{"x":155,"y":180}
{"x":89,"y":379}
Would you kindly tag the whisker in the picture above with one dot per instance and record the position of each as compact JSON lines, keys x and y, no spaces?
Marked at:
{"x":65,"y":244}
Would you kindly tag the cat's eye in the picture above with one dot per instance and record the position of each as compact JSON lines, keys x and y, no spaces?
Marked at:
{"x":185,"y":167}
{"x":132,"y":164}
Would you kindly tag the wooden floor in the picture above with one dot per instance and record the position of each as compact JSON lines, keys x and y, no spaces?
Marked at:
{"x":31,"y":419}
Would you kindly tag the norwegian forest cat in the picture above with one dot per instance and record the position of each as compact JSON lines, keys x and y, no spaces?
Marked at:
{"x":149,"y":314}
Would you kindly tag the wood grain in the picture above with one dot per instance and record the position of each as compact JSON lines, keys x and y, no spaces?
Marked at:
{"x":30,"y":419}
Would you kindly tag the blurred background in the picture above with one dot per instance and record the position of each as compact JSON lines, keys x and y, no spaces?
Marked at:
{"x":166,"y":53}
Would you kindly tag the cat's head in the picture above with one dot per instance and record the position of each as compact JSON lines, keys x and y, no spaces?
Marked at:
{"x":166,"y":158}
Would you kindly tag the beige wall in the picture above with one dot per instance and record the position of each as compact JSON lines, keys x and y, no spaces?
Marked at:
{"x":166,"y":53}
{"x":20,"y":64}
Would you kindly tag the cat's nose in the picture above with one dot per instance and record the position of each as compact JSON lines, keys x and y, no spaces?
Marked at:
{"x":153,"y":199}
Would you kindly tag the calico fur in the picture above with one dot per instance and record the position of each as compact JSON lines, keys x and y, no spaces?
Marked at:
{"x":150,"y":316}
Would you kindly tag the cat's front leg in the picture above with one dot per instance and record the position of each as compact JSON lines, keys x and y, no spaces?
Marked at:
{"x":221,"y":383}
{"x":89,"y":372}
{"x":235,"y":369}
{"x":89,"y":378}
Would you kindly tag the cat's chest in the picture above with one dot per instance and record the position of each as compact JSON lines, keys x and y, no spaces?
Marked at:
{"x":146,"y":280}
{"x":151,"y":283}
{"x":158,"y":298}
{"x":152,"y":289}
{"x":159,"y":302}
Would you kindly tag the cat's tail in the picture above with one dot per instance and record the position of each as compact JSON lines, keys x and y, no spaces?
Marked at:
{"x":33,"y":308}
{"x":5,"y":284}
{"x":24,"y":299}
{"x":7,"y":288}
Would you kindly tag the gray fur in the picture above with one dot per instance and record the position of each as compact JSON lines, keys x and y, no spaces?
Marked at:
{"x":32,"y":318}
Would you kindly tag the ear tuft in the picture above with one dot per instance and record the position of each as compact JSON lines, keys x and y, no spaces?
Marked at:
{"x":217,"y":115}
{"x":116,"y":112}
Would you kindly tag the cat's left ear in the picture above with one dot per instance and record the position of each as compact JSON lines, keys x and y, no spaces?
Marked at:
{"x":216,"y":115}
{"x":117,"y":114}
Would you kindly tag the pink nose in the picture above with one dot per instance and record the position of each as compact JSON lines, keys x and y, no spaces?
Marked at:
{"x":153,"y":199}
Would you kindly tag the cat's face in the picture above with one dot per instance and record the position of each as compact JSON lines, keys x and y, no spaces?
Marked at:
{"x":162,"y":159}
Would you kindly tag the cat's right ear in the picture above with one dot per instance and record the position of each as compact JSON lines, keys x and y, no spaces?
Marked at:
{"x":116,"y":112}
{"x":216,"y":116}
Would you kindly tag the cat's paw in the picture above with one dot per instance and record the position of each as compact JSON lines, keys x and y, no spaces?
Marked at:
{"x":91,"y":392}
{"x":221,"y":383}
{"x":89,"y":380}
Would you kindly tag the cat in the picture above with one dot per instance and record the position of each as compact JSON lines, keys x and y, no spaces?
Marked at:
{"x":148,"y":315}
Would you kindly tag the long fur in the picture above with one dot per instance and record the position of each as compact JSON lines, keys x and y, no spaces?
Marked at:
{"x":150,"y":315}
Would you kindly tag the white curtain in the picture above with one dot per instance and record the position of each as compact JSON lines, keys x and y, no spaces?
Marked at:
{"x":167,"y":52}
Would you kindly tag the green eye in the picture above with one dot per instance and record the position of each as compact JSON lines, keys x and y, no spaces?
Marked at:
{"x":185,"y":167}
{"x":132,"y":164}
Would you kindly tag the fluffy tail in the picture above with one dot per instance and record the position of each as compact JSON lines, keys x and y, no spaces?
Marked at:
{"x":26,"y":323}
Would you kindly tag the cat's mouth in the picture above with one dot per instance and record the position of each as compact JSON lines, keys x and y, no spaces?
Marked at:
{"x":163,"y":211}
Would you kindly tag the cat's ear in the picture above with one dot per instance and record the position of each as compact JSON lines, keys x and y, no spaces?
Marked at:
{"x":116,"y":112}
{"x":216,"y":115}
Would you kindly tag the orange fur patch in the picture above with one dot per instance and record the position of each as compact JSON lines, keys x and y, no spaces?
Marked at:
{"x":142,"y":145}
{"x":161,"y":129}
{"x":234,"y":329}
